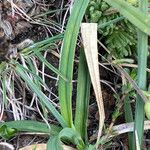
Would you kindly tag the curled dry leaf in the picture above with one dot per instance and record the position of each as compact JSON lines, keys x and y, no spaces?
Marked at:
{"x":43,"y":147}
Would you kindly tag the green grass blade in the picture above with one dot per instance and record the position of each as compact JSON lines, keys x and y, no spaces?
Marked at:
{"x":54,"y":143}
{"x":42,"y":97}
{"x":134,"y":15}
{"x":51,"y":67}
{"x":67,"y":58}
{"x":34,"y":69}
{"x":32,"y":126}
{"x":37,"y":80}
{"x":83,"y":95}
{"x":39,"y":46}
{"x":142,"y":76}
{"x":50,"y":12}
{"x":35,"y":76}
{"x":128,"y":118}
{"x":110,"y":22}
{"x":29,"y":126}
{"x":66,"y":134}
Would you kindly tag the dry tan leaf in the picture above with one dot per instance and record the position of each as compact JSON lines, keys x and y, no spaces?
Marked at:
{"x":43,"y":147}
{"x":6,"y":146}
{"x":124,"y":128}
{"x":89,"y":36}
{"x":32,"y":147}
{"x":128,"y":127}
{"x":68,"y":147}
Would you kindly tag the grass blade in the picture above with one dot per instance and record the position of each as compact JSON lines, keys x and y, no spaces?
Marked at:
{"x":32,"y":126}
{"x":38,"y":81}
{"x":83,"y":95}
{"x":134,"y":15}
{"x":42,"y":97}
{"x":142,"y":76}
{"x":39,"y":46}
{"x":10,"y":129}
{"x":51,"y":67}
{"x":128,"y":118}
{"x":67,"y":59}
{"x":66,"y":134}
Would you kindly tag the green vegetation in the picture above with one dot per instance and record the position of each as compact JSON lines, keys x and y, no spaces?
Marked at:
{"x":118,"y":34}
{"x":123,"y":27}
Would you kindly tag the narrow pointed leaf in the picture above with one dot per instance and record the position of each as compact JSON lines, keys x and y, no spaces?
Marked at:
{"x":67,"y":58}
{"x":67,"y":134}
{"x":133,"y":14}
{"x":83,"y":95}
{"x":31,"y":126}
{"x":39,"y":46}
{"x":142,"y":77}
{"x":42,"y":97}
{"x":51,"y":67}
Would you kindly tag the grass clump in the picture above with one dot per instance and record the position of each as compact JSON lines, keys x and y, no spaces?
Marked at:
{"x":117,"y":23}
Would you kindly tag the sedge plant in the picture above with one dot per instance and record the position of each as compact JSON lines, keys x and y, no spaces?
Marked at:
{"x":70,"y":130}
